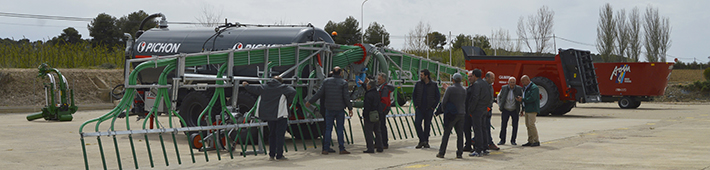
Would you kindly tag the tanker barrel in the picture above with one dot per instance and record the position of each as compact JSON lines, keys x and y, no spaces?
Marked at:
{"x":34,"y":116}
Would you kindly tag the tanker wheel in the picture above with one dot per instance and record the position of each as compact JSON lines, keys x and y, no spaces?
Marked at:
{"x":192,"y":106}
{"x":564,"y":108}
{"x":629,"y":103}
{"x":549,"y":97}
{"x":245,"y":101}
{"x":317,"y":129}
{"x":401,"y":100}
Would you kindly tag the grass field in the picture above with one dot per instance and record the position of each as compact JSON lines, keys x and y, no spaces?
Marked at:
{"x":686,"y":76}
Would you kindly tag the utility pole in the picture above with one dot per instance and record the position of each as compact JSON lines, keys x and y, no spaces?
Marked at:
{"x":362,"y":26}
{"x":451,"y":45}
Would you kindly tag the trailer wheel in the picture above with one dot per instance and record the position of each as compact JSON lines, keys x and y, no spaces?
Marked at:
{"x":549,"y":97}
{"x":629,"y":103}
{"x":564,"y":108}
{"x":401,"y":100}
{"x":314,"y":127}
{"x":192,"y":106}
{"x":245,"y":101}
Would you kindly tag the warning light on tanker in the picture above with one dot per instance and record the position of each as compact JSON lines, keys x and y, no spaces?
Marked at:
{"x":334,"y":33}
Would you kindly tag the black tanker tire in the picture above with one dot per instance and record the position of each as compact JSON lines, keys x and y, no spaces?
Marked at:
{"x":552,"y":95}
{"x":245,"y":101}
{"x":316,"y":128}
{"x":191,"y":107}
{"x":637,"y":104}
{"x":564,"y":108}
{"x":401,"y":100}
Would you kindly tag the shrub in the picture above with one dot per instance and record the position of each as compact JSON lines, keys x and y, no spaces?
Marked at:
{"x":706,"y":73}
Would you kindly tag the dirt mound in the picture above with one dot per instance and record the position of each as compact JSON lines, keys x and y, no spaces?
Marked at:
{"x":21,"y":87}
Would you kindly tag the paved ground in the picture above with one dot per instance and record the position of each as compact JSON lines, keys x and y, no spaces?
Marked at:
{"x":592,"y":136}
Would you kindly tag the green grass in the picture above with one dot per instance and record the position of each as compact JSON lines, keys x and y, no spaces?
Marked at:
{"x":79,"y":55}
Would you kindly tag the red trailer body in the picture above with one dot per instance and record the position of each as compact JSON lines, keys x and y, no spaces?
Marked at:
{"x":631,"y":83}
{"x":563,"y":79}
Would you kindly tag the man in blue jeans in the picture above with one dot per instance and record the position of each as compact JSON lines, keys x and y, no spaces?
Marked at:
{"x":275,"y":98}
{"x":334,"y":95}
{"x":426,"y":97}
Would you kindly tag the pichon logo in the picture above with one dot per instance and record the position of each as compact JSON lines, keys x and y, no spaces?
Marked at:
{"x":240,"y":46}
{"x":158,"y":47}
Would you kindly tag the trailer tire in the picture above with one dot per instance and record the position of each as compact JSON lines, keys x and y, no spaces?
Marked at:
{"x":564,"y":108}
{"x":401,"y":100}
{"x":245,"y":102}
{"x":627,"y":102}
{"x":316,"y":128}
{"x":549,"y":97}
{"x":192,"y":106}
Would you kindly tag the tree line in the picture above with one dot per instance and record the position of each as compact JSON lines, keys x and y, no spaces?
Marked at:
{"x":620,"y":37}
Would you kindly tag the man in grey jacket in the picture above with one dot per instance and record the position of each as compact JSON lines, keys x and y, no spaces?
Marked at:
{"x":334,"y":94}
{"x":478,"y":98}
{"x":455,"y":96}
{"x":509,"y":105}
{"x":273,"y":108}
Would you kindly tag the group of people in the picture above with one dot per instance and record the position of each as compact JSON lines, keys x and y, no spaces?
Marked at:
{"x":471,"y":108}
{"x":464,"y":108}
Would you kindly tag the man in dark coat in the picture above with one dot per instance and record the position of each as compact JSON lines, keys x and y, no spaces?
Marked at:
{"x":372,"y":103}
{"x":478,"y":98}
{"x":454,"y":104}
{"x":509,"y":105}
{"x":386,"y":99}
{"x":426,"y":97}
{"x":273,"y":108}
{"x":334,"y":94}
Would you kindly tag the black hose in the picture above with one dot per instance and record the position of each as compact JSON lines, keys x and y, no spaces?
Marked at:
{"x":149,"y":18}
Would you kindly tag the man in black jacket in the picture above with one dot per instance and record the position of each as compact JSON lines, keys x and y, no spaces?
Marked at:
{"x":275,"y":98}
{"x":426,"y":97}
{"x":478,"y":98}
{"x":334,"y":94}
{"x":372,"y":103}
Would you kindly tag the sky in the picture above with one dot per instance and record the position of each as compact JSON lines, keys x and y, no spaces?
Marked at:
{"x":574,"y":20}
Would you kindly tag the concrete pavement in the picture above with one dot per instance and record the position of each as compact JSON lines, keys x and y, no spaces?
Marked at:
{"x":592,"y":136}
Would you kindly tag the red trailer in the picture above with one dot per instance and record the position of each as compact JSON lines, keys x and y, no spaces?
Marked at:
{"x":631,"y":83}
{"x":563,"y":79}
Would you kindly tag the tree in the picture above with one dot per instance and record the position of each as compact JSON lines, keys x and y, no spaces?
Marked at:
{"x":657,"y":35}
{"x":622,"y":34}
{"x":539,"y":28}
{"x":104,"y":31}
{"x":606,"y":33}
{"x":348,"y":31}
{"x":416,"y":38}
{"x":501,"y":40}
{"x":634,"y":48}
{"x":209,"y":17}
{"x":481,"y":41}
{"x":462,"y":40}
{"x":130,"y":23}
{"x":377,"y":33}
{"x":436,"y":40}
{"x":70,"y":35}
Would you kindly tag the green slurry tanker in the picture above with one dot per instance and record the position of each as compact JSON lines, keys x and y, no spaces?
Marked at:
{"x":188,"y":82}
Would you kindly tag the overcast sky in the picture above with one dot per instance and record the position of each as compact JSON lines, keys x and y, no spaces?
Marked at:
{"x":574,"y":19}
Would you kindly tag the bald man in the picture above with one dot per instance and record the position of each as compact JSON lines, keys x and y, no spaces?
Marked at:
{"x":531,"y":106}
{"x":509,"y":104}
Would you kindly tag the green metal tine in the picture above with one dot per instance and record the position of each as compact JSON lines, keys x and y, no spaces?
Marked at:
{"x":101,"y":149}
{"x":150,"y":155}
